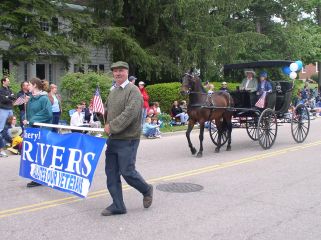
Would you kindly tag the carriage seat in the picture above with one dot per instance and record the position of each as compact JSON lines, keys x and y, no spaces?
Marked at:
{"x":271,"y":97}
{"x":283,"y":95}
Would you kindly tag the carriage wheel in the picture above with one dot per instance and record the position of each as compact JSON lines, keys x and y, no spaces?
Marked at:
{"x":267,"y":128}
{"x":300,"y":123}
{"x":251,"y":128}
{"x":214,"y":134}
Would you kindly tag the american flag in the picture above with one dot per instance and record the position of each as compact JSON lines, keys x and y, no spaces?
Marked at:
{"x":20,"y":100}
{"x":97,"y":103}
{"x":261,"y":102}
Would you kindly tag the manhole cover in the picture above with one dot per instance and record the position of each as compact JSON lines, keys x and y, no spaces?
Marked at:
{"x":179,"y":187}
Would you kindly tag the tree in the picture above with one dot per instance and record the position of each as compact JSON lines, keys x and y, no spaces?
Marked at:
{"x":33,"y":29}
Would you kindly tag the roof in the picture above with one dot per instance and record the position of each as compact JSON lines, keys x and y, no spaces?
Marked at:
{"x":258,"y":64}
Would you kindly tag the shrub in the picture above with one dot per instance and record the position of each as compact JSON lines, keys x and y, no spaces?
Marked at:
{"x":77,"y":87}
{"x":165,"y":94}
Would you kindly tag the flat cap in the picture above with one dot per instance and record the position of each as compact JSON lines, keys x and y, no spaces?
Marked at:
{"x":132,"y":78}
{"x":119,"y":64}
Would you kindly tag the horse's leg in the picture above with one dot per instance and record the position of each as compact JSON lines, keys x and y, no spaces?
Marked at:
{"x":218,"y":124}
{"x":201,"y":137}
{"x":229,"y":134}
{"x":188,"y":133}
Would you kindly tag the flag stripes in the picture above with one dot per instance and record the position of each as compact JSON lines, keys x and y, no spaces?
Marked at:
{"x":97,"y":103}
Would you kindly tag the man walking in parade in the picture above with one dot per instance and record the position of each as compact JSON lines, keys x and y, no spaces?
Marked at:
{"x":123,"y":126}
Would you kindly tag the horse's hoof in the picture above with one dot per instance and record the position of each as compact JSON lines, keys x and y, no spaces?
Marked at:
{"x":193,"y":150}
{"x":217,"y":150}
{"x":199,"y":155}
{"x":228,"y":148}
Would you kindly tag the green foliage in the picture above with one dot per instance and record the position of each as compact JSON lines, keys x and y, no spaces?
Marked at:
{"x":165,"y":94}
{"x":21,"y":27}
{"x":77,"y":87}
{"x":315,"y":77}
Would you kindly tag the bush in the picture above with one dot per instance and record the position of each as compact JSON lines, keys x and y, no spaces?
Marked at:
{"x":77,"y":87}
{"x":165,"y":94}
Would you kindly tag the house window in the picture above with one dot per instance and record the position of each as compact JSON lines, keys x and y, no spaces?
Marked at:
{"x":79,"y":68}
{"x":101,"y":68}
{"x":55,"y":24}
{"x":5,"y":67}
{"x":92,"y":68}
{"x":44,"y":25}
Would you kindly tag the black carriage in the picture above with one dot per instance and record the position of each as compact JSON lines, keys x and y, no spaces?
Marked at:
{"x":262,"y":124}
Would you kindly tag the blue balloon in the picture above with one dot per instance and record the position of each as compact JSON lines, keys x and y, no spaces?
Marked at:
{"x":300,"y":64}
{"x":286,"y":70}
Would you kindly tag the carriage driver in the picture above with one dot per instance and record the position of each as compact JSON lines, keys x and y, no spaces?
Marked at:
{"x":249,"y":84}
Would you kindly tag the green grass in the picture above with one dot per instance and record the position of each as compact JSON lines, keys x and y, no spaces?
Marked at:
{"x":169,"y":128}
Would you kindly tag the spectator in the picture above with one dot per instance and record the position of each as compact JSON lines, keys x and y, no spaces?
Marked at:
{"x":150,"y":113}
{"x":24,"y":92}
{"x":2,"y":145}
{"x":55,"y":100}
{"x":151,"y":130}
{"x":145,"y":96}
{"x":77,"y":118}
{"x":210,"y":88}
{"x":6,"y":101}
{"x":132,"y":79}
{"x":93,"y":119}
{"x":85,"y":112}
{"x":183,"y":106}
{"x":38,"y":109}
{"x":177,"y":112}
{"x":224,"y":87}
{"x":158,"y":110}
{"x":11,"y":130}
{"x":12,"y":135}
{"x":305,"y":92}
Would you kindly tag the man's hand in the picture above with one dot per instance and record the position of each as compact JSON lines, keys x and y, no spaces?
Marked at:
{"x":107,"y":129}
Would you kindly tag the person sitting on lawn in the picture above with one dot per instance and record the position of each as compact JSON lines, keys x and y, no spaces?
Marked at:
{"x":151,"y":130}
{"x":10,"y":129}
{"x":177,"y":112}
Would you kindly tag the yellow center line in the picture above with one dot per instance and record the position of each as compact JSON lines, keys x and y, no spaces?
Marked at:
{"x":99,"y":193}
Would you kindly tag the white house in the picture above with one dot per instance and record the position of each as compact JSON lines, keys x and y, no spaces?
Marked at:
{"x":45,"y":68}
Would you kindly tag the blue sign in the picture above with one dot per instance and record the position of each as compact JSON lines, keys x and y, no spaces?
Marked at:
{"x":66,"y":162}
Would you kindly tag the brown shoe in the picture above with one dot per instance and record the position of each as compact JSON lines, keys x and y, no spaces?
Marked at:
{"x":148,"y":197}
{"x":107,"y":212}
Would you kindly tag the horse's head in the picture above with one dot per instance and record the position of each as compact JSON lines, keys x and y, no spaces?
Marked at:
{"x":190,"y":83}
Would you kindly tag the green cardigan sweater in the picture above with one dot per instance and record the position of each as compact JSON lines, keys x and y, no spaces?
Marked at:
{"x":124,"y":112}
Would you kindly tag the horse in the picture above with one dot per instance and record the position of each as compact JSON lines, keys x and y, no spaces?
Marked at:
{"x":203,"y":107}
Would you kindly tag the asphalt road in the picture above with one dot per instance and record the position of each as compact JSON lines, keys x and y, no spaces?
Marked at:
{"x":248,"y":193}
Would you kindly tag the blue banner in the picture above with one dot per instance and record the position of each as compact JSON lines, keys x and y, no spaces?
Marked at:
{"x":66,"y":162}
